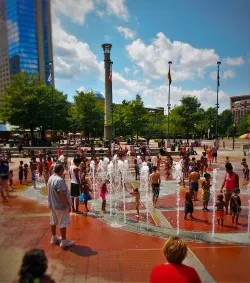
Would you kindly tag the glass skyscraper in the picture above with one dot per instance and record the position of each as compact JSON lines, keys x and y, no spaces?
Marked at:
{"x":27,"y":25}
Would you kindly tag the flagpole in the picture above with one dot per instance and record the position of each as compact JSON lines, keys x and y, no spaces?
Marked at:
{"x":169,"y":105}
{"x":217,"y":102}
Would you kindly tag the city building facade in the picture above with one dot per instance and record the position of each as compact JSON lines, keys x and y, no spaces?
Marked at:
{"x":25,"y":39}
{"x":239,"y":106}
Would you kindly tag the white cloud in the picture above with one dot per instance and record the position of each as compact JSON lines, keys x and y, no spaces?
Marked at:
{"x":77,"y":10}
{"x":81,"y":88}
{"x":206,"y":96}
{"x":126,"y":32}
{"x":117,"y":8}
{"x":126,"y":70}
{"x":72,"y":57}
{"x":228,"y":74}
{"x":237,"y":61}
{"x":136,"y":71}
{"x":188,"y":61}
{"x":213,"y":75}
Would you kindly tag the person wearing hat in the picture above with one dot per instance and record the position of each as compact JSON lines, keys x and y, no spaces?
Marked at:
{"x":59,"y":203}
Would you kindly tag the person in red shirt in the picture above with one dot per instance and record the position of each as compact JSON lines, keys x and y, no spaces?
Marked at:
{"x":175,"y":251}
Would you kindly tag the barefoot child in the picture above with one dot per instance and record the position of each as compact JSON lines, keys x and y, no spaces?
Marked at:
{"x":206,"y":191}
{"x":20,"y":175}
{"x":194,"y":182}
{"x":136,"y":194}
{"x":25,"y":172}
{"x":103,"y":193}
{"x":235,"y":205}
{"x":220,"y":213}
{"x":245,"y":169}
{"x":11,"y":179}
{"x":227,"y":160}
{"x":189,"y":207}
{"x":86,"y":195}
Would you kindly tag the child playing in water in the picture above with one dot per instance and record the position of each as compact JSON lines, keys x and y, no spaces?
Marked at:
{"x":136,"y":194}
{"x":25,"y":171}
{"x":235,"y":205}
{"x":85,"y":188}
{"x":11,"y":179}
{"x":194,"y":183}
{"x":227,"y":160}
{"x":220,"y":213}
{"x":245,"y":169}
{"x":189,"y":207}
{"x":103,"y":193}
{"x":206,"y":191}
{"x":20,"y":174}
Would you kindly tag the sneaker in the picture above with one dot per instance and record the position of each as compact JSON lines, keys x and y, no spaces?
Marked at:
{"x":55,"y":240}
{"x":66,"y":244}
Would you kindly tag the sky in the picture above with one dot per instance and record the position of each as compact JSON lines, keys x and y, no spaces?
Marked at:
{"x":145,"y":35}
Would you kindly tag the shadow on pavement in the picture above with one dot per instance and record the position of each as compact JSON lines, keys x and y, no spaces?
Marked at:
{"x":83,"y":251}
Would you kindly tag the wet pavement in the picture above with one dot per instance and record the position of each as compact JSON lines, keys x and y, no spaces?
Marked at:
{"x":107,"y":254}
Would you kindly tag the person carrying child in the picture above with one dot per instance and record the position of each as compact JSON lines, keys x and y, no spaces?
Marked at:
{"x":245,"y":169}
{"x":103,"y":194}
{"x":136,"y":194}
{"x":206,"y":191}
{"x":235,"y":205}
{"x":220,"y":212}
{"x":189,"y":207}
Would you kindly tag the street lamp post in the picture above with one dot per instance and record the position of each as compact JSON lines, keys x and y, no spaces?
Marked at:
{"x":233,"y":135}
{"x":169,"y":105}
{"x":217,"y":101}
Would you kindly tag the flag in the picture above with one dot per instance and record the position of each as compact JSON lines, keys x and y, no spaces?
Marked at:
{"x":50,"y":78}
{"x":110,"y":73}
{"x":218,"y":80}
{"x":169,"y":77}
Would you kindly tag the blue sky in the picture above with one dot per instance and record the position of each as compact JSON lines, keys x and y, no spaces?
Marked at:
{"x":145,"y":35}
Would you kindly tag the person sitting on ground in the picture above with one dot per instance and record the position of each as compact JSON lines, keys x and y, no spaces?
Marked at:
{"x":175,"y":251}
{"x":33,"y":268}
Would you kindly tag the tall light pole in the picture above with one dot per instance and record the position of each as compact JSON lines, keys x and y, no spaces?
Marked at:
{"x":108,"y":91}
{"x":233,"y":135}
{"x":169,"y":105}
{"x":217,"y":102}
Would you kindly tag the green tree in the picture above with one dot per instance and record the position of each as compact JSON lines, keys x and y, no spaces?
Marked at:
{"x":136,"y":118}
{"x":189,"y":113}
{"x":29,"y":104}
{"x":244,"y":125}
{"x":87,"y":114}
{"x":225,"y":122}
{"x":120,"y":112}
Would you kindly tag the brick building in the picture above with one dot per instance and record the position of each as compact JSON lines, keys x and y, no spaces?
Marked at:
{"x":240,"y":105}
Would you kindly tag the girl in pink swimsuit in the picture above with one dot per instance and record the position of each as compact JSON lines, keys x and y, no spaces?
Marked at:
{"x":230,"y":183}
{"x":103,"y":193}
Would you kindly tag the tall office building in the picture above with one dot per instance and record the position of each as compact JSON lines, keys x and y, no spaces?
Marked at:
{"x":25,"y":39}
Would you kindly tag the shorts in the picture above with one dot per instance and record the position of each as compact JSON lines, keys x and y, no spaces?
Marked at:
{"x":33,"y":176}
{"x":194,"y":186}
{"x":60,"y":218}
{"x":156,"y":190}
{"x":214,"y":154}
{"x":5,"y":177}
{"x":228,"y":195}
{"x":75,"y":190}
{"x":220,"y":214}
{"x":235,"y":210}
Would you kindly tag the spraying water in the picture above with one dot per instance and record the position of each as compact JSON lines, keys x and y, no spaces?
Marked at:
{"x":177,"y":176}
{"x":144,"y":188}
{"x":214,"y":183}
